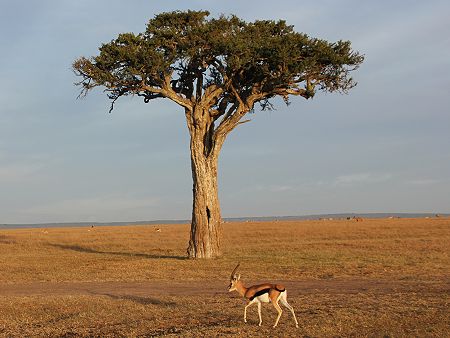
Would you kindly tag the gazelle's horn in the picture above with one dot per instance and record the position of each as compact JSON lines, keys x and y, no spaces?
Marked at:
{"x":235,"y":269}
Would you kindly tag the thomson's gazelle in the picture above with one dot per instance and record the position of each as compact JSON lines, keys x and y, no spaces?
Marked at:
{"x":262,"y":293}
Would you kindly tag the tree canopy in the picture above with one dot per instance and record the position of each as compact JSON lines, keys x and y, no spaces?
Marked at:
{"x":221,"y":63}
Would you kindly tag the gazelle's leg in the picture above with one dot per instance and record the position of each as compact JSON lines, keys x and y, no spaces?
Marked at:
{"x":245,"y":310}
{"x":285,"y":303}
{"x":278,"y":308}
{"x":259,"y":313}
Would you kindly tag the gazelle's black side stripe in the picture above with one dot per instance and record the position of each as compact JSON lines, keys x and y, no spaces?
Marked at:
{"x":280,"y":289}
{"x":259,"y":293}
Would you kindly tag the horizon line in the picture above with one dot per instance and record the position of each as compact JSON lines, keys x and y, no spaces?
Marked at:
{"x":232,"y":219}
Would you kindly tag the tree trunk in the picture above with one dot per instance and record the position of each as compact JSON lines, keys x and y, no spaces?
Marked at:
{"x":206,"y":219}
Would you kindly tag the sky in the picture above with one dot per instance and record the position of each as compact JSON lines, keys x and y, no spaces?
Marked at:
{"x":384,"y":147}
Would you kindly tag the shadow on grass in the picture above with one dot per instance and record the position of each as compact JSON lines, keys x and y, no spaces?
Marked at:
{"x":79,"y":248}
{"x":138,"y":300}
{"x":6,"y":240}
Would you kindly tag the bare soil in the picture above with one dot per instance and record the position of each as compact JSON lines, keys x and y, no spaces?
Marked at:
{"x":216,"y":287}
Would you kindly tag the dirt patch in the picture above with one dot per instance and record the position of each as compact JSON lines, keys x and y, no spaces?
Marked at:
{"x":215,"y":287}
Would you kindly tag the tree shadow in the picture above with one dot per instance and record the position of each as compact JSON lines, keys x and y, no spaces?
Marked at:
{"x":138,"y":299}
{"x":82,"y":249}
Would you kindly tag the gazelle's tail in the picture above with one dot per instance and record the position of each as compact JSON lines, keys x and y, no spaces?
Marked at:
{"x":280,"y":288}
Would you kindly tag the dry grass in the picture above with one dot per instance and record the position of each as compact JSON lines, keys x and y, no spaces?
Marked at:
{"x":411,"y":252}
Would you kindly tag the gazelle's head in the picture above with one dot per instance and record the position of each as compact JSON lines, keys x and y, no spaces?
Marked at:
{"x":234,"y":279}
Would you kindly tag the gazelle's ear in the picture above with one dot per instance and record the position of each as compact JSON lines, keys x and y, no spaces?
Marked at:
{"x":238,"y":277}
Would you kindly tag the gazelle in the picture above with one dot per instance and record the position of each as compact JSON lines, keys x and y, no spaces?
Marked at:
{"x":262,"y":293}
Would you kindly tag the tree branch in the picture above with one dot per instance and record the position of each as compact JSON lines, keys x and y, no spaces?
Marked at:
{"x":170,"y":93}
{"x":245,"y":121}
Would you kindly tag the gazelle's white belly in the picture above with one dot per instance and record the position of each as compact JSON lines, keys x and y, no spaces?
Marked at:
{"x":264,"y":298}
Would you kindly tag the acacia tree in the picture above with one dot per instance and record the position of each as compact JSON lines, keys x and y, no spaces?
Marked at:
{"x":217,"y":70}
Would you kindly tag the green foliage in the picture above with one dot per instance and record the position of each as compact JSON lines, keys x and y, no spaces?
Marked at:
{"x":186,"y":57}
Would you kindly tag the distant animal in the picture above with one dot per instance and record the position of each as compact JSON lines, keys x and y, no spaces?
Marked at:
{"x":158,"y":230}
{"x":262,"y":293}
{"x":357,"y":219}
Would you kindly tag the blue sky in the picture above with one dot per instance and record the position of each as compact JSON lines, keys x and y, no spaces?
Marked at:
{"x":385,"y":147}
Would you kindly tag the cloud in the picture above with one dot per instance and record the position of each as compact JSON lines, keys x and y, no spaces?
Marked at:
{"x":281,"y":188}
{"x":361,"y":178}
{"x":423,"y":182}
{"x":18,"y":172}
{"x":269,"y":188}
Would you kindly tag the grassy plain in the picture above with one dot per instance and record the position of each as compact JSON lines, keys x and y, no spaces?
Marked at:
{"x":377,"y":278}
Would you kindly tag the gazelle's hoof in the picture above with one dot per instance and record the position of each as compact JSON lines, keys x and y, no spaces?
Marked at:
{"x":274,"y":326}
{"x":296,"y":326}
{"x":259,"y":324}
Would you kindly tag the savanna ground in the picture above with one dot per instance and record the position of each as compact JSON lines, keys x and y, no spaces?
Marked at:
{"x":376,"y":278}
